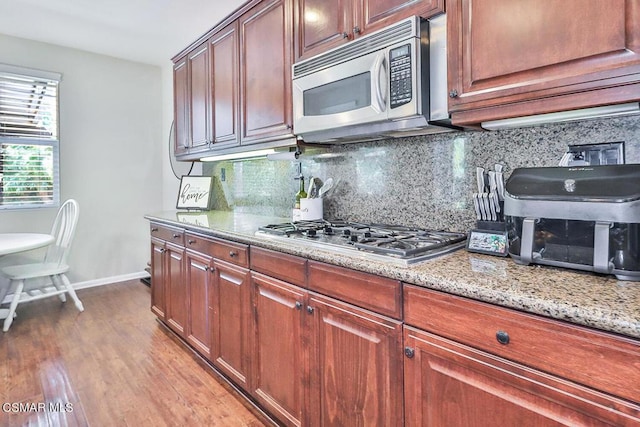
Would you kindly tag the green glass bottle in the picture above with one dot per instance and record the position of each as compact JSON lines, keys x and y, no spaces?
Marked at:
{"x":301,"y":194}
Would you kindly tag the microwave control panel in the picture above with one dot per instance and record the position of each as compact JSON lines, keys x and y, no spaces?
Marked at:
{"x":400,"y":75}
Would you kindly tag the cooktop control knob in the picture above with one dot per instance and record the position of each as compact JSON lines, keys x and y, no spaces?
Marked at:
{"x":353,"y":238}
{"x":328,"y":230}
{"x":346,"y":232}
{"x":311,"y":233}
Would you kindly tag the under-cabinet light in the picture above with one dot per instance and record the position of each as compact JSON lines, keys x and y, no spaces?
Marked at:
{"x":564,"y":116}
{"x":240,"y":155}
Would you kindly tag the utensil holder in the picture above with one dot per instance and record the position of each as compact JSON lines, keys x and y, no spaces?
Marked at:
{"x":311,"y":209}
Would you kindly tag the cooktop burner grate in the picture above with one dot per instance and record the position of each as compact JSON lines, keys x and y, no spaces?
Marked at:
{"x":385,"y":241}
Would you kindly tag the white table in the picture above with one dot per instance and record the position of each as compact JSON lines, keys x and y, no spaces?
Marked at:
{"x":11,"y":243}
{"x":19,"y":242}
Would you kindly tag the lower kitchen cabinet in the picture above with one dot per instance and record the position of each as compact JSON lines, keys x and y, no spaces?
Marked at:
{"x":473,"y":363}
{"x":168,"y":291}
{"x":279,"y":375}
{"x":199,"y":280}
{"x":231,"y":308}
{"x":175,"y":288}
{"x":451,"y":384}
{"x":355,"y":366}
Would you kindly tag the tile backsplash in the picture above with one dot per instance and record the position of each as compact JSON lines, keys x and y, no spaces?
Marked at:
{"x":423,"y":181}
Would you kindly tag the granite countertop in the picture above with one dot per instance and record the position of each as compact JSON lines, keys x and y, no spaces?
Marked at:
{"x":600,"y":302}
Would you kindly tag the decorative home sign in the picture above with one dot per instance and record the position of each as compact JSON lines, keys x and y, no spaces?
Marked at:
{"x":195,"y":192}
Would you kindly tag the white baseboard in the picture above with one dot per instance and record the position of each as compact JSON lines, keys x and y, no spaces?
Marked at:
{"x":110,"y":280}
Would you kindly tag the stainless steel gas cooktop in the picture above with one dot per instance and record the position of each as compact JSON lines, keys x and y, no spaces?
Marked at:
{"x":383,"y":242}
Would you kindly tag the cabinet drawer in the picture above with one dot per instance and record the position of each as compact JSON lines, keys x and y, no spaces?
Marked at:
{"x":596,"y":359}
{"x":365,"y":290}
{"x":169,"y":234}
{"x":285,"y":267}
{"x":236,"y":253}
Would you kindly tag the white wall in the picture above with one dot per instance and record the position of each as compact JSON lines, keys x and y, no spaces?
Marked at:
{"x":112,"y":155}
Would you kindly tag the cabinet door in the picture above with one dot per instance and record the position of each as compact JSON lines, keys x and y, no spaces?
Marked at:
{"x":181,"y":108}
{"x":447,"y":383}
{"x":355,"y":365}
{"x":223,"y":48}
{"x":176,"y":291}
{"x":231,"y":308}
{"x":322,"y":25}
{"x":200,"y":96}
{"x":509,"y":59}
{"x":198,"y":280}
{"x":278,"y":354}
{"x":265,"y":71}
{"x":376,"y":14}
{"x":158,"y":304}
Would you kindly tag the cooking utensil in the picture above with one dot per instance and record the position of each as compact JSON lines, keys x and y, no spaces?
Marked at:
{"x":314,"y":187}
{"x":326,"y":187}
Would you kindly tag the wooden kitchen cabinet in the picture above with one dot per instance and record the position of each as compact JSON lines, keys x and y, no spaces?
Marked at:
{"x":279,"y":355}
{"x":181,"y":107}
{"x":223,"y":47}
{"x":322,"y":25}
{"x":471,"y":363}
{"x":168,"y":293}
{"x":231,"y":308}
{"x":510,"y":59}
{"x":355,"y":366}
{"x":266,"y":57}
{"x":198,"y":280}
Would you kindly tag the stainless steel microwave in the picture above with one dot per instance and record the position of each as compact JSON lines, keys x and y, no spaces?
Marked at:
{"x":389,"y":83}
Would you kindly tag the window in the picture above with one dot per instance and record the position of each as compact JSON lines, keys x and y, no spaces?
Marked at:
{"x":29,"y":175}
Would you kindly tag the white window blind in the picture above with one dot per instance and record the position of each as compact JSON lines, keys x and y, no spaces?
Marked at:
{"x":29,"y":174}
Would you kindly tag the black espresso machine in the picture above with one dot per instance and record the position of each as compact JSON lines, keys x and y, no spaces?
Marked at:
{"x":585,"y":218}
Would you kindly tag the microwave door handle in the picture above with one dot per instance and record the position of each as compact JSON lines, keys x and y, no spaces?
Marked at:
{"x":380,"y":81}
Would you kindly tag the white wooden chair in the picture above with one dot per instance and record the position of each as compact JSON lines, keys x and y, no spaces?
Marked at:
{"x":28,"y":281}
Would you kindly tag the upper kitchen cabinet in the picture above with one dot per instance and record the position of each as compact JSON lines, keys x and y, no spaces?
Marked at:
{"x":223,"y":48}
{"x":510,"y":59}
{"x":324,"y":24}
{"x":181,"y":107}
{"x":265,"y":72}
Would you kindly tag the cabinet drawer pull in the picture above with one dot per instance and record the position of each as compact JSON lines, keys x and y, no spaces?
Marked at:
{"x":191,"y":242}
{"x":502,"y":337}
{"x":409,"y":352}
{"x":233,"y":254}
{"x":176,"y":236}
{"x":154,"y":229}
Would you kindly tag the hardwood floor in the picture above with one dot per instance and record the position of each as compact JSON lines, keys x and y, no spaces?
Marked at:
{"x":112,"y":365}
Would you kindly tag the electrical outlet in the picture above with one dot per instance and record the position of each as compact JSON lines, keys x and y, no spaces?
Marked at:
{"x":223,"y":174}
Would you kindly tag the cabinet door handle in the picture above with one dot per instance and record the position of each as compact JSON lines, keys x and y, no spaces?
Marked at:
{"x":309,"y":309}
{"x":409,"y":352}
{"x":502,"y":337}
{"x":298,"y":305}
{"x":162,"y":250}
{"x":345,"y":35}
{"x":356,"y":30}
{"x":453,"y":93}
